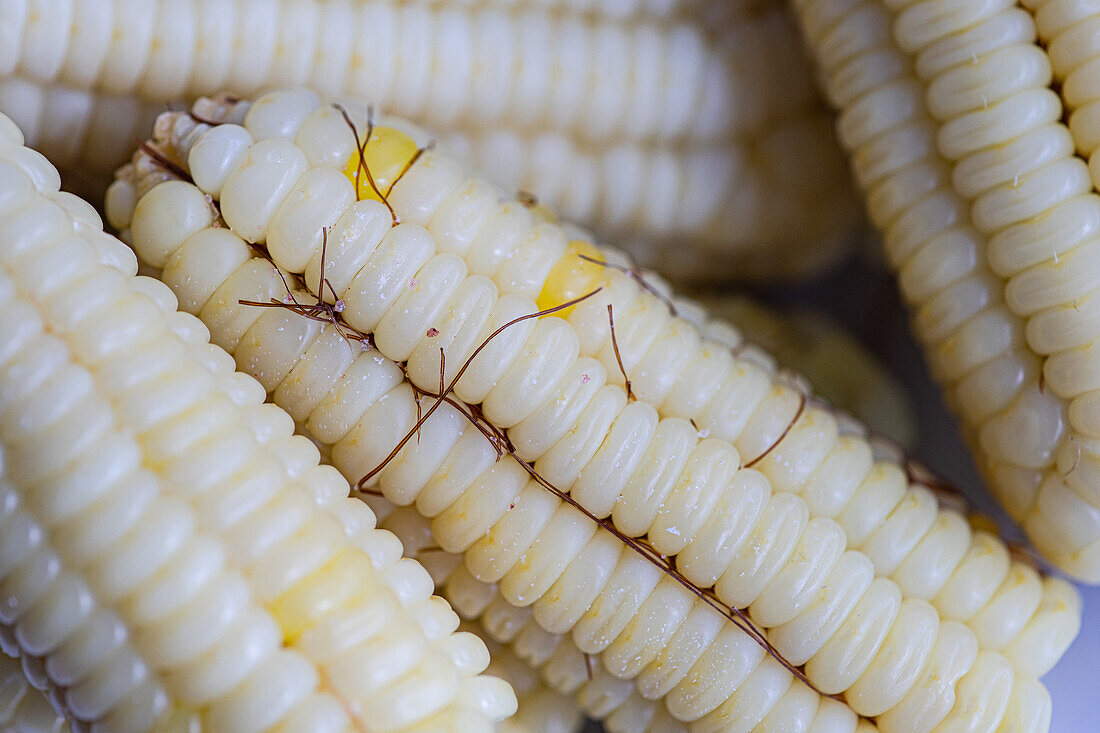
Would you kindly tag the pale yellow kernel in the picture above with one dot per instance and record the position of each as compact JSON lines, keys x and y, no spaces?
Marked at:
{"x":572,"y":276}
{"x":386,"y":156}
{"x":339,"y":583}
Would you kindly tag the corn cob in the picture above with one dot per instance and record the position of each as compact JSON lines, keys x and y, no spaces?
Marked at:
{"x":987,"y":214}
{"x":841,"y":369}
{"x":605,"y":104}
{"x":171,"y":554}
{"x":764,"y":443}
{"x":622,"y":568}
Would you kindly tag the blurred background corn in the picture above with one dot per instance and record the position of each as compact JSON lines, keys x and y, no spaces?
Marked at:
{"x":172,"y":555}
{"x":841,"y":369}
{"x":541,"y":710}
{"x":83,"y":133}
{"x":802,"y":488}
{"x":646,"y":124}
{"x":990,"y":219}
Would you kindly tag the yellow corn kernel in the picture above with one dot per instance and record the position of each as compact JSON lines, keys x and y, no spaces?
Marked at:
{"x":572,"y":276}
{"x":386,"y":155}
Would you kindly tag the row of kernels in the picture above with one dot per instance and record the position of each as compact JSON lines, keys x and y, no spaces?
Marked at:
{"x":1013,"y":70}
{"x":765,"y":701}
{"x":174,"y":50}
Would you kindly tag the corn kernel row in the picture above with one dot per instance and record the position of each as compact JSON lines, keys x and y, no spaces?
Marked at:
{"x":540,"y":709}
{"x":597,"y":78}
{"x":620,"y":708}
{"x":415,"y":304}
{"x":1068,"y":31}
{"x":602,"y":695}
{"x":171,"y":551}
{"x":990,"y":219}
{"x":688,"y":113}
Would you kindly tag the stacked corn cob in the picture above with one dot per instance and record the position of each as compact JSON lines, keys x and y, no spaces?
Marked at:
{"x":991,"y":220}
{"x":590,"y":108}
{"x":171,"y":553}
{"x":752,"y":488}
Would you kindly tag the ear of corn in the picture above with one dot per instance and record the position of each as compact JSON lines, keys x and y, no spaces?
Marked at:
{"x":989,"y":216}
{"x":172,"y":555}
{"x":753,"y":489}
{"x":590,"y":111}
